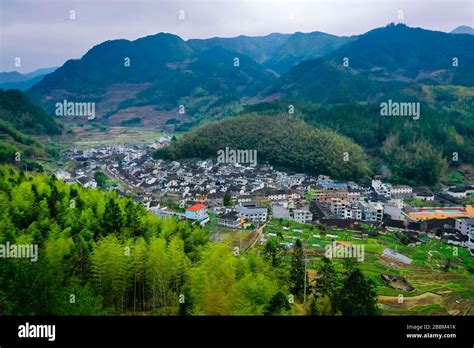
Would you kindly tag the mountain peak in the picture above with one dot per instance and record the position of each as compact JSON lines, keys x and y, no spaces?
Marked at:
{"x":463,"y":29}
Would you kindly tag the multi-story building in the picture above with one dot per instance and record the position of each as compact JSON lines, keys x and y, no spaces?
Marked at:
{"x":252,"y":213}
{"x":197,"y":212}
{"x":231,"y":220}
{"x":302,"y":215}
{"x":337,"y":207}
{"x":394,"y":208}
{"x":466,"y":227}
{"x":371,"y":211}
{"x":328,"y":195}
{"x":353,"y":195}
{"x":402,"y":191}
{"x":353,"y":211}
{"x":380,"y":188}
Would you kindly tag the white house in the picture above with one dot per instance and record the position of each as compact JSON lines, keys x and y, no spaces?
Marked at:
{"x":252,"y":213}
{"x":302,"y":215}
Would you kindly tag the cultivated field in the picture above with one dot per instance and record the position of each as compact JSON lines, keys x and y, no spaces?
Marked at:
{"x":442,"y":275}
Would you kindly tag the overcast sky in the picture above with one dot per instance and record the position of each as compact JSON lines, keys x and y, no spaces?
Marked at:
{"x":41,"y":33}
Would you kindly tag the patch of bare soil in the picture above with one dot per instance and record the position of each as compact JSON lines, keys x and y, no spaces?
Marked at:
{"x":424,"y":299}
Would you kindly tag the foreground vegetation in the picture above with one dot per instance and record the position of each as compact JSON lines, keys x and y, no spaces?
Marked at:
{"x":103,"y":255}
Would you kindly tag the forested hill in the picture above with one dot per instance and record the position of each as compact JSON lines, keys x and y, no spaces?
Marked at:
{"x":407,"y":151}
{"x":20,"y":118}
{"x":160,"y":70}
{"x":152,"y":77}
{"x":18,"y":109}
{"x":394,"y":61}
{"x":278,"y":52}
{"x":283,"y":141}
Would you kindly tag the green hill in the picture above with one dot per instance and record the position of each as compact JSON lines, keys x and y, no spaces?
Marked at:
{"x":278,"y":52}
{"x":20,"y":119}
{"x":259,"y":48}
{"x":390,"y":62}
{"x":392,"y":142}
{"x":303,"y":46}
{"x":283,"y":141}
{"x":158,"y":72}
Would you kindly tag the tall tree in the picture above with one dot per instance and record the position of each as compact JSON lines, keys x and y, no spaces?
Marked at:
{"x":278,"y":304}
{"x":328,"y":280}
{"x":357,"y":296}
{"x":159,"y":274}
{"x":227,"y":199}
{"x":113,"y":219}
{"x":298,"y":274}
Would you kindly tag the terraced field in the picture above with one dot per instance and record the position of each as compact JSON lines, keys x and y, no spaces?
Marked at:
{"x":442,"y":275}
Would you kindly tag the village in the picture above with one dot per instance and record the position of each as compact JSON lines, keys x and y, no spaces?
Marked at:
{"x":245,"y":197}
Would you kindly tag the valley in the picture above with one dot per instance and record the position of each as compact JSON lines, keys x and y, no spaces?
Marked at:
{"x":361,"y":144}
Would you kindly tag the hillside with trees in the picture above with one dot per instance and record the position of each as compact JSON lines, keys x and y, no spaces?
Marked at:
{"x":394,"y":62}
{"x":162,"y":71}
{"x":281,"y":140}
{"x":20,"y":121}
{"x":417,"y":152}
{"x":199,"y":80}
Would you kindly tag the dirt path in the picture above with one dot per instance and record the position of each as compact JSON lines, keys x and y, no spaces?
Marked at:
{"x":255,"y":236}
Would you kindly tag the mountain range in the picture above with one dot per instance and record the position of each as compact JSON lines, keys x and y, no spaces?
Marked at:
{"x":150,"y":78}
{"x":16,"y":80}
{"x":394,"y":61}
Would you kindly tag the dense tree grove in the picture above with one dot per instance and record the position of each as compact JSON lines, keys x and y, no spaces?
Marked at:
{"x":100,"y":254}
{"x":281,"y":140}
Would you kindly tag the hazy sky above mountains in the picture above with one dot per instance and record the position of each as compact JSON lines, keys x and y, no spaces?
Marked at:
{"x":42,"y":34}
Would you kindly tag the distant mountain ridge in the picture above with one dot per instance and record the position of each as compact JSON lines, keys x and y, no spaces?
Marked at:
{"x":463,"y":29}
{"x":172,"y":81}
{"x":303,"y":46}
{"x":276,"y":51}
{"x":392,"y":61}
{"x":16,"y":80}
{"x":259,"y":48}
{"x":163,"y":69}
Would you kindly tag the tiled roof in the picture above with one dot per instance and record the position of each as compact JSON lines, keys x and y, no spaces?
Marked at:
{"x":196,"y":207}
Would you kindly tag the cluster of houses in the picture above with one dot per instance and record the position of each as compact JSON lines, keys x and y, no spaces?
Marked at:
{"x":237,"y":196}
